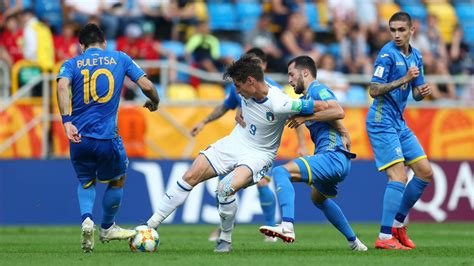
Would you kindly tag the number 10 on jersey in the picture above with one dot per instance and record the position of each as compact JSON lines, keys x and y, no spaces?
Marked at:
{"x":90,"y":85}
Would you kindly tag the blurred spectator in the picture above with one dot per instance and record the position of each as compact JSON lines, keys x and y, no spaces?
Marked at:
{"x":11,"y":40}
{"x":437,"y":46}
{"x":66,"y":46}
{"x":187,"y":15}
{"x":419,"y":39}
{"x":160,"y":13}
{"x":460,"y":60}
{"x":12,"y":7}
{"x":343,"y":10}
{"x":291,"y":39}
{"x":108,"y":11}
{"x":262,"y":38}
{"x":335,"y":80}
{"x":353,"y":52}
{"x":377,"y":40}
{"x":131,"y":41}
{"x":281,"y":11}
{"x":385,"y":9}
{"x":151,"y":49}
{"x":435,"y":67}
{"x":204,"y":49}
{"x":366,"y":14}
{"x":38,"y":40}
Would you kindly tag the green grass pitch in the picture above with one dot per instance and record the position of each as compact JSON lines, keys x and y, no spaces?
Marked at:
{"x":316,"y":244}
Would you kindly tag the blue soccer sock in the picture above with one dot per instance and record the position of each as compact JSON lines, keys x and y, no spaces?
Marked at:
{"x":111,"y":205}
{"x":391,"y":203}
{"x":86,"y":197}
{"x":285,"y":193}
{"x":413,"y":192}
{"x":334,"y":214}
{"x":267,"y":202}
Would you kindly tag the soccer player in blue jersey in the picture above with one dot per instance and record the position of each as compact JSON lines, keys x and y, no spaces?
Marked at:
{"x":398,"y":71}
{"x":329,"y":165}
{"x":231,"y":102}
{"x":90,"y":85}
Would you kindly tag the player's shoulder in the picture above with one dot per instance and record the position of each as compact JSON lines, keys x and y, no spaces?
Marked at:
{"x":271,"y":82}
{"x":387,"y":51}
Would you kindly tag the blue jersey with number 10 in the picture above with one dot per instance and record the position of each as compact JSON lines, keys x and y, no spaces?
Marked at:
{"x":96,"y":82}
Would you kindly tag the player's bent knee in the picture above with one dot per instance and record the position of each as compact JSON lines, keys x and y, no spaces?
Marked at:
{"x":425,"y":173}
{"x":192,"y":177}
{"x":119,"y":183}
{"x":263,"y":182}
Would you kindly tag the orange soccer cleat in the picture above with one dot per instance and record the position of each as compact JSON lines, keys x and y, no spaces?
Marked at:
{"x":391,"y":243}
{"x":401,"y":235}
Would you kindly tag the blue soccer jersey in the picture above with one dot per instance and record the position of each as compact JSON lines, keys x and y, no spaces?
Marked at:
{"x":389,"y":66}
{"x":322,"y":134}
{"x":96,"y":79}
{"x":232,"y":98}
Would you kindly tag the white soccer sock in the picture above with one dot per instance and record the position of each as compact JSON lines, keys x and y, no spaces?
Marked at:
{"x":383,"y":236}
{"x":174,"y":197}
{"x":227,"y":210}
{"x":397,"y":224}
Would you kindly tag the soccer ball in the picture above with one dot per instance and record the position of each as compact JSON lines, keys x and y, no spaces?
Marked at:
{"x":146,"y":239}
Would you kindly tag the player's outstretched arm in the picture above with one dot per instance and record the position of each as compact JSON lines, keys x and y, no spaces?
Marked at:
{"x":219,"y":111}
{"x":378,"y":89}
{"x":64,"y":107}
{"x":420,"y":92}
{"x":333,"y":112}
{"x":150,"y":91}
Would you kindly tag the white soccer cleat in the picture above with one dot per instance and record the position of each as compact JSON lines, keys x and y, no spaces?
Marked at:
{"x":285,"y":234}
{"x":87,"y":235}
{"x":115,"y":232}
{"x":357,"y":245}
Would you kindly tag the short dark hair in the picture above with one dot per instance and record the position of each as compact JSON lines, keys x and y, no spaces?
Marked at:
{"x":258,"y":53}
{"x":401,"y":16}
{"x":91,"y":34}
{"x":246,"y":66}
{"x":304,"y":62}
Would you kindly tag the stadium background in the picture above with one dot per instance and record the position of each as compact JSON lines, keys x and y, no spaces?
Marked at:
{"x":37,"y":184}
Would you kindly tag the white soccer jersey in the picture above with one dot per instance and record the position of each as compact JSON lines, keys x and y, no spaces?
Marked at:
{"x":255,"y":146}
{"x":265,"y":120}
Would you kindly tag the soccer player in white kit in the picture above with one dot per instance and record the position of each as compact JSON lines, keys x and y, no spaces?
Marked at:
{"x":246,"y":154}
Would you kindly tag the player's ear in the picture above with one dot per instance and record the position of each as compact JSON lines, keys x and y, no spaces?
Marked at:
{"x":83,"y":47}
{"x":104,"y":44}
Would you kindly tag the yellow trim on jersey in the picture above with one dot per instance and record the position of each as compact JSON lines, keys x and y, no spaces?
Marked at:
{"x":332,"y":197}
{"x":391,"y":163}
{"x":416,"y":160}
{"x":310,"y":175}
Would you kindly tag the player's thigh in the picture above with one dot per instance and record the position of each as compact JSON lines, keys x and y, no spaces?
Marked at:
{"x":385,"y":144}
{"x":112,"y":161}
{"x":222,"y":156}
{"x":84,"y":162}
{"x":412,"y":150}
{"x":324,"y":171}
{"x":200,"y":170}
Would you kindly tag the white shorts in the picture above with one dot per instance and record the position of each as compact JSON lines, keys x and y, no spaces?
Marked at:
{"x":226,"y":154}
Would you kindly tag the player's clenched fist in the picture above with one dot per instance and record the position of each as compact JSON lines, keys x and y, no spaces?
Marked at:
{"x":72,"y":133}
{"x":412,"y":73}
{"x":150,"y":105}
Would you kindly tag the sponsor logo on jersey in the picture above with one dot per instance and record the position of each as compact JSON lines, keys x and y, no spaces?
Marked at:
{"x":400,"y":64}
{"x":383,"y":55}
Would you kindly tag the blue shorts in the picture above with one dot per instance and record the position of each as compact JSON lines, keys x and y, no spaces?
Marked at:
{"x":391,"y":146}
{"x":324,"y":170}
{"x":104,"y":159}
